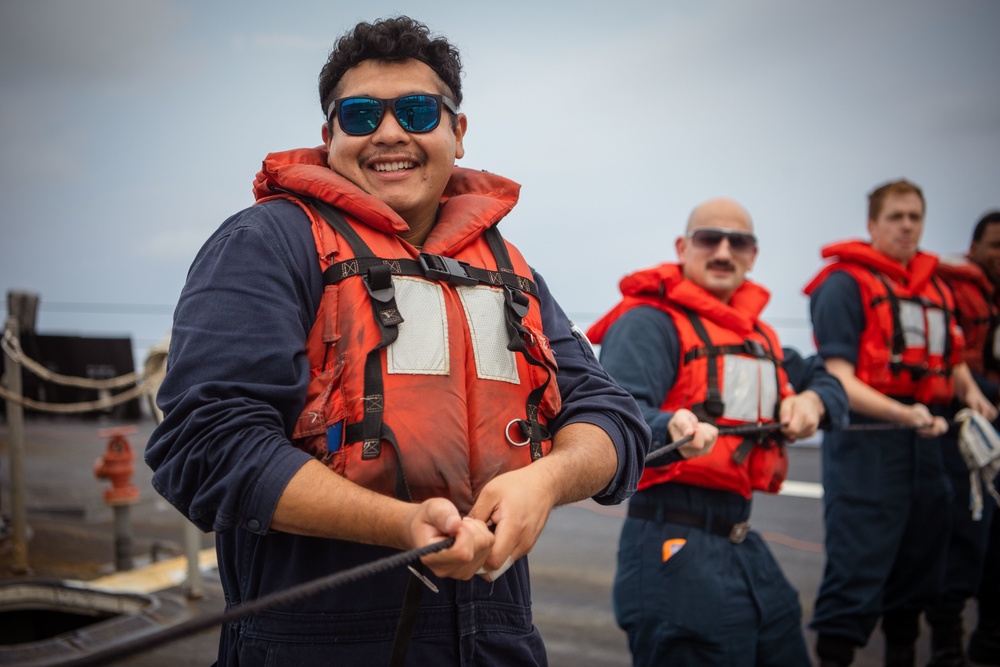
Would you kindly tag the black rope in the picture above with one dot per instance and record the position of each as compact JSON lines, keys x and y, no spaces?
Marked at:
{"x":287,"y":596}
{"x":743,"y":429}
{"x":754,"y":429}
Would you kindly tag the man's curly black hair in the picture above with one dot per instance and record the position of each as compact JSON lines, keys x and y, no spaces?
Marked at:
{"x":391,"y":40}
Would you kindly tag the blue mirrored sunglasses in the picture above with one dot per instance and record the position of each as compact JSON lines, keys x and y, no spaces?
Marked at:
{"x":359,"y":116}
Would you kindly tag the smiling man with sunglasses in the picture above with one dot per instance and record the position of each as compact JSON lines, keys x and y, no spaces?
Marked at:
{"x":360,"y":363}
{"x":695,"y":586}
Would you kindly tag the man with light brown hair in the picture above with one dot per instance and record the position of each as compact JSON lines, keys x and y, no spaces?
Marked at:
{"x":882,"y":322}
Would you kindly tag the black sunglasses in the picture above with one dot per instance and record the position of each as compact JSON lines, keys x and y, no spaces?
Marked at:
{"x":359,"y":116}
{"x":711,"y":237}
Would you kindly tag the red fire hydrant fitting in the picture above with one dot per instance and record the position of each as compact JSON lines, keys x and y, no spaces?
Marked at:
{"x":116,"y":466}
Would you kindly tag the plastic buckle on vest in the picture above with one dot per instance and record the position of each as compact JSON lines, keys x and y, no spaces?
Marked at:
{"x":447,"y":269}
{"x":378,"y":282}
{"x":517,"y":301}
{"x":754,"y":348}
{"x":916,"y":371}
{"x":713,"y":405}
{"x":739,"y":532}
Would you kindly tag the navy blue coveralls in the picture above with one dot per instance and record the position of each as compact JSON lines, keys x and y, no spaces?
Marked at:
{"x":886,"y":501}
{"x":716,"y":601}
{"x":239,"y":332}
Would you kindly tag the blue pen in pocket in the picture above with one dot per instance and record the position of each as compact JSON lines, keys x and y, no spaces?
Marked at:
{"x":334,"y":433}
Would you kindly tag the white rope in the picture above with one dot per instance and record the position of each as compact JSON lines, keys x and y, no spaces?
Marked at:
{"x":144,"y":385}
{"x":87,"y":406}
{"x":12,"y":346}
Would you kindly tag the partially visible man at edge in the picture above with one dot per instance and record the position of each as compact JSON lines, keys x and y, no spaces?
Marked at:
{"x":366,"y":312}
{"x":974,"y":552}
{"x":695,"y":586}
{"x":882,"y":324}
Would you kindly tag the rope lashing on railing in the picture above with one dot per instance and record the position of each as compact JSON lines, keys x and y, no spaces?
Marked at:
{"x":12,"y":346}
{"x":144,"y":383}
{"x":287,"y":596}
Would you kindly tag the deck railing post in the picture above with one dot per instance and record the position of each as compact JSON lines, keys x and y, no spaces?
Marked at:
{"x":15,"y":423}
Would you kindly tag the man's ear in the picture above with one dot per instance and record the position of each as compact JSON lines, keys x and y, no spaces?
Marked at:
{"x":326,"y":134}
{"x":461,"y":126}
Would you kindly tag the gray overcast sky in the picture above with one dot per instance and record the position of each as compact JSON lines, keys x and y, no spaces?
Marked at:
{"x":131,"y":128}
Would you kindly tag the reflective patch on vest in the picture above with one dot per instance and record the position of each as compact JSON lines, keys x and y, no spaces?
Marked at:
{"x":936,"y":332}
{"x":923,"y":328}
{"x":422,"y":345}
{"x":749,"y":388}
{"x":484,"y":312}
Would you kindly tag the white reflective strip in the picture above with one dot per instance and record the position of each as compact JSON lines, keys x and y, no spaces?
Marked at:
{"x":749,"y":387}
{"x":422,"y":345}
{"x":911,"y":318}
{"x":768,"y":388}
{"x":801,"y":489}
{"x":935,"y":331}
{"x":484,"y":312}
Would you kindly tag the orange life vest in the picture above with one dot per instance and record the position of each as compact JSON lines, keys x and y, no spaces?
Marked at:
{"x":435,"y":359}
{"x":976,"y":311}
{"x":911,"y":341}
{"x":729,"y":373}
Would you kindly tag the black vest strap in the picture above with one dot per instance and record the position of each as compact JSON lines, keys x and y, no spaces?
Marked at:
{"x":947,"y":325}
{"x":773,"y":357}
{"x":898,"y":337}
{"x":516,"y":306}
{"x":747,"y":347}
{"x":434,"y":267}
{"x":764,"y":439}
{"x":377,"y":276}
{"x":712,"y":408}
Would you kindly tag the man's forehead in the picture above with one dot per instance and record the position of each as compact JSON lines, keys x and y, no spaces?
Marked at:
{"x":723,"y":215}
{"x":369,"y":76}
{"x":903,"y":200}
{"x":991,"y":233}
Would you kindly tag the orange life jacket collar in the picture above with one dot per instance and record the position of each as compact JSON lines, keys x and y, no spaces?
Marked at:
{"x":666,"y":282}
{"x":912,"y":278}
{"x":889,"y":358}
{"x":472,"y":201}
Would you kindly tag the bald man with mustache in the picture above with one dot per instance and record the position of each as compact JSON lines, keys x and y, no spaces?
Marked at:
{"x":696,"y":586}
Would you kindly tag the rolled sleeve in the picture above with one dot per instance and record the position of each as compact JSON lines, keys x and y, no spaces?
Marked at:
{"x":837,"y":317}
{"x":641,"y":351}
{"x":809,"y":373}
{"x":237,"y":371}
